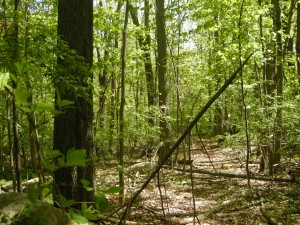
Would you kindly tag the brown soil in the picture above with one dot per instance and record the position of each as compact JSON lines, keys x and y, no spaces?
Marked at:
{"x":214,"y":199}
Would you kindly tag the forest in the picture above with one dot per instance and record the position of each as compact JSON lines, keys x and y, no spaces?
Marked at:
{"x":149,"y":112}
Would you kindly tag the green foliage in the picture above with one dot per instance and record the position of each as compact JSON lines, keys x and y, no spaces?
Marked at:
{"x":66,"y":203}
{"x":79,"y":218}
{"x":54,"y":159}
{"x":33,"y":193}
{"x":4,"y":78}
{"x":88,"y":212}
{"x":101,"y":202}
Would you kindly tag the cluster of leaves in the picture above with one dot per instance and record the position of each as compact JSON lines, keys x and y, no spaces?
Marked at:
{"x":55,"y":160}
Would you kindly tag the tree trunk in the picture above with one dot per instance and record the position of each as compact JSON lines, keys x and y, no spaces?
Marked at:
{"x":73,"y":128}
{"x":298,"y":41}
{"x":31,"y":117}
{"x":279,"y":82}
{"x":15,"y":58}
{"x":162,"y":78}
{"x":122,"y":104}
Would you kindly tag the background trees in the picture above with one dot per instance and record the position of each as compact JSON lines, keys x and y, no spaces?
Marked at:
{"x":194,"y":45}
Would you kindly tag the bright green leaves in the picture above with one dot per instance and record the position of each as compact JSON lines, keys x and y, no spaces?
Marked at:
{"x":4,"y":78}
{"x":78,"y":218}
{"x":76,"y":157}
{"x":32,"y":193}
{"x":86,"y":185}
{"x":66,"y":203}
{"x":101,"y":202}
{"x":87,"y":213}
{"x":35,"y":191}
{"x":55,"y":159}
{"x":63,"y":103}
{"x":21,"y":95}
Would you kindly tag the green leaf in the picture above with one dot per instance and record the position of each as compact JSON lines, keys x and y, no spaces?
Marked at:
{"x":86,"y":184}
{"x":88,"y":212}
{"x":21,"y":94}
{"x":58,"y":99}
{"x":113,"y":190}
{"x":61,"y":162}
{"x":65,"y":203}
{"x":77,"y":217}
{"x":101,"y":202}
{"x":65,"y":103}
{"x":49,"y":165}
{"x":13,"y":77}
{"x":32,"y":193}
{"x":25,"y":109}
{"x":76,"y":157}
{"x":4,"y":78}
{"x":43,"y":106}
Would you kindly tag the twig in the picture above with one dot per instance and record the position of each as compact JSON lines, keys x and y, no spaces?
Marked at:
{"x":205,"y":150}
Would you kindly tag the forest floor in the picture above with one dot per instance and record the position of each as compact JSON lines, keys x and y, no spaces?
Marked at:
{"x":208,"y":199}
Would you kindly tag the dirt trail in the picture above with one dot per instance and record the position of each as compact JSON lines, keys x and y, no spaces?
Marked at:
{"x":214,"y":199}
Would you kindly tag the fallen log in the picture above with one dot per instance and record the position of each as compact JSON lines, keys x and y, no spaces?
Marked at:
{"x":230,"y":175}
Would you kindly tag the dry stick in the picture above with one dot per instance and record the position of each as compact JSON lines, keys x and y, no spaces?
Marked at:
{"x":192,"y":181}
{"x":161,"y":196}
{"x":181,"y":138}
{"x":204,"y":148}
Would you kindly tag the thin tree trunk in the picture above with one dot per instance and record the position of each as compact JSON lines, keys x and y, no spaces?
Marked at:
{"x":114,"y":93}
{"x":2,"y":131}
{"x":279,"y":82}
{"x":122,"y":104}
{"x":15,"y":58}
{"x":31,"y":117}
{"x":10,"y":140}
{"x":162,"y":78}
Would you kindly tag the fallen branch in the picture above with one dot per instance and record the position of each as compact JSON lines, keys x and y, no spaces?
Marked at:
{"x":252,"y":177}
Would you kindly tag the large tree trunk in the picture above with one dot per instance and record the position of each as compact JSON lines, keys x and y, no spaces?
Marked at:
{"x":162,"y":78}
{"x":73,"y":128}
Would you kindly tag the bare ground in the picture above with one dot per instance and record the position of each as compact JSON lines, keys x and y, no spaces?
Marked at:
{"x":184,"y":198}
